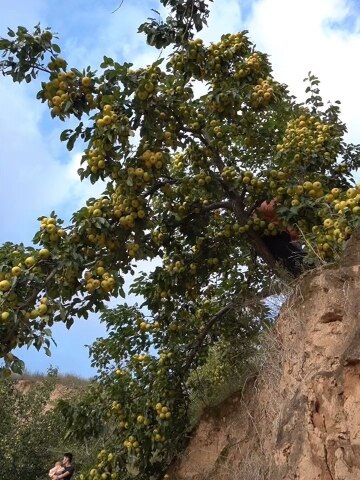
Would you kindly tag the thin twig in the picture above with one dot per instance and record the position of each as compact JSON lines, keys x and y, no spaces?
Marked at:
{"x":117,"y":8}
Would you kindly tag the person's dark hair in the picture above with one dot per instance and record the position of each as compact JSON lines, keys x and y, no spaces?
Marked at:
{"x":69,"y":456}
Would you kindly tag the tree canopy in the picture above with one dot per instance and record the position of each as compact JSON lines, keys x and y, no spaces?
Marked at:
{"x":189,"y":147}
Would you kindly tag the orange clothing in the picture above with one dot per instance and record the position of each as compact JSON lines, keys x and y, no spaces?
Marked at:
{"x":267,"y":211}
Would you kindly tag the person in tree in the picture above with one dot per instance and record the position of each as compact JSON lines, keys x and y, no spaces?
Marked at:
{"x":283,"y":245}
{"x":68,"y":468}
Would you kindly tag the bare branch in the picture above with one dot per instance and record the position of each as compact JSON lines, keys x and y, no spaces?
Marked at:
{"x":117,"y":8}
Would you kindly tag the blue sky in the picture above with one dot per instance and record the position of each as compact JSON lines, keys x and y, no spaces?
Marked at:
{"x":38,"y":175}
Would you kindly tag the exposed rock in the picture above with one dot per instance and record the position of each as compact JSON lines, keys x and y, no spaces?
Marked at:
{"x":59,"y":392}
{"x":300,"y":419}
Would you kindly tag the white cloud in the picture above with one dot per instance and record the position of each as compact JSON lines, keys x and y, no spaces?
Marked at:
{"x":33,"y":181}
{"x":28,"y":173}
{"x":298,"y":37}
{"x":225,"y":17}
{"x":20,"y":12}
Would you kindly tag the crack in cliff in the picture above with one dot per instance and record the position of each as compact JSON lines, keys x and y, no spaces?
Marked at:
{"x":326,"y":455}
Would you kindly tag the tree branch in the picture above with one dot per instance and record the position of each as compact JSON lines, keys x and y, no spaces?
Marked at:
{"x":158,"y":185}
{"x":239,"y":209}
{"x":33,"y":296}
{"x":199,"y":341}
{"x":213,"y":320}
{"x":217,"y":205}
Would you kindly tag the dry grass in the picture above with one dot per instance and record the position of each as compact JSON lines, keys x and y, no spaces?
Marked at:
{"x":68,"y":380}
{"x":253,"y":460}
{"x":252,"y":467}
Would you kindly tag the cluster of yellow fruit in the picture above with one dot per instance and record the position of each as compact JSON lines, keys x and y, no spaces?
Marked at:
{"x":145,"y":89}
{"x":181,"y":208}
{"x":169,"y":139}
{"x":127,"y":209}
{"x":157,"y":236}
{"x":8,"y":298}
{"x":51,"y":230}
{"x":141,"y":358}
{"x":231,"y":54}
{"x":132,"y":444}
{"x":177,"y":162}
{"x":139,"y":176}
{"x":239,"y":179}
{"x":164,"y":357}
{"x":101,"y":241}
{"x":119,"y":372}
{"x":99,"y":207}
{"x":229,"y":173}
{"x":163,"y":412}
{"x":39,"y":311}
{"x":141,"y":420}
{"x":152,"y":159}
{"x":102,"y":472}
{"x":57,"y":64}
{"x":195,"y":53}
{"x":325,"y":239}
{"x":96,"y":159}
{"x":175,"y":267}
{"x":254,"y":62}
{"x":344,"y":206}
{"x":218,"y":376}
{"x":123,"y":425}
{"x":148,"y":327}
{"x":262,"y":93}
{"x":157,"y":437}
{"x":147,"y":85}
{"x":225,"y":103}
{"x":99,"y":279}
{"x":117,"y":409}
{"x":229,"y":231}
{"x":307,"y":189}
{"x":345,"y":201}
{"x":277,"y":182}
{"x":306,"y":135}
{"x":95,"y":475}
{"x":132,"y":248}
{"x":201,"y":179}
{"x":230,"y":48}
{"x":6,"y":277}
{"x":108,"y":117}
{"x":63,"y":89}
{"x":57,"y":90}
{"x":216,"y":128}
{"x":5,"y":283}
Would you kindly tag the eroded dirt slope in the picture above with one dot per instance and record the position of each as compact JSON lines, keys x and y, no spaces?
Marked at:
{"x":300,"y":418}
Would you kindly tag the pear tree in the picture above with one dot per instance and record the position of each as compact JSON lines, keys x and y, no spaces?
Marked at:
{"x":205,"y":158}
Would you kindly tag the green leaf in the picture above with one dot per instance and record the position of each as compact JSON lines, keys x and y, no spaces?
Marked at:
{"x":69,"y":323}
{"x":65,"y":134}
{"x":56,"y":48}
{"x":4,"y":43}
{"x":71,"y":142}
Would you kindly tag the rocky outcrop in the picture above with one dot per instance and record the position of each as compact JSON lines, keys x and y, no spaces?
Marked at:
{"x":59,"y":391}
{"x":300,"y":418}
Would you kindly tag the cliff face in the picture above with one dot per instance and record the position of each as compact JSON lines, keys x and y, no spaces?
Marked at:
{"x":300,"y":418}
